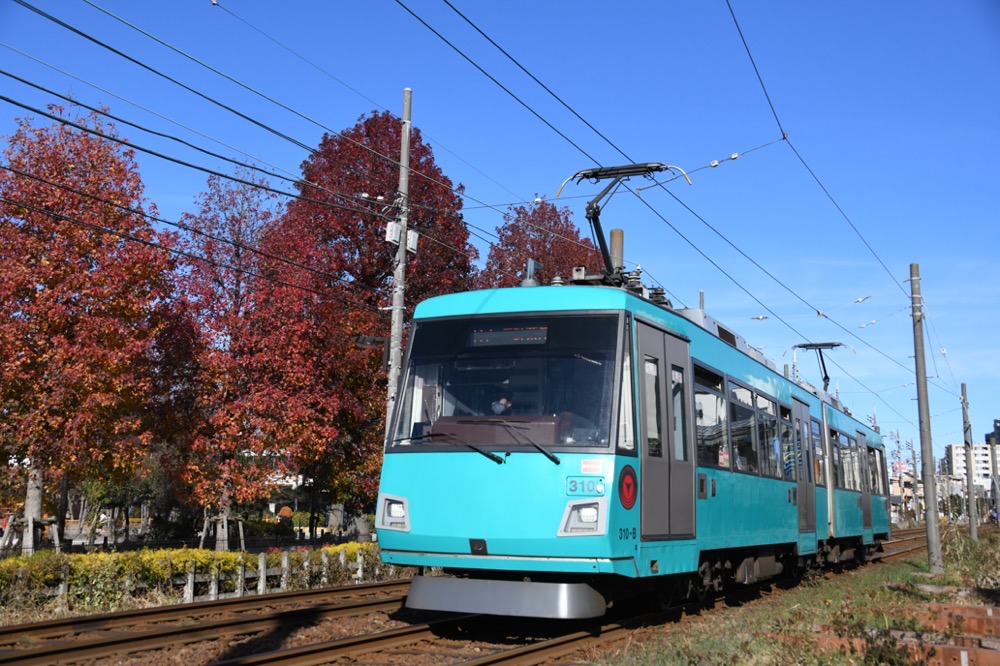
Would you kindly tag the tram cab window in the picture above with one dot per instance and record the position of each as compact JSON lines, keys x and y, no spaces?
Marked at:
{"x":557,"y":371}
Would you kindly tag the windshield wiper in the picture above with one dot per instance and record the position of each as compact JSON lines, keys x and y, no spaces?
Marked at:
{"x":489,"y":454}
{"x":433,"y":435}
{"x":513,"y":428}
{"x":417,"y":438}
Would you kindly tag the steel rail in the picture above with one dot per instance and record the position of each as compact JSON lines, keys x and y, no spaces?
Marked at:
{"x":71,"y":626}
{"x":116,"y":642}
{"x":323,"y":653}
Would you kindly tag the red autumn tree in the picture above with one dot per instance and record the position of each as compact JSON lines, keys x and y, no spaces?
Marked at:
{"x":313,"y":332}
{"x":81,"y":294}
{"x":230,"y":456}
{"x":542,"y":232}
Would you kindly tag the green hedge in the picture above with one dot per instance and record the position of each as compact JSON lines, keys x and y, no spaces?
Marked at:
{"x":104,"y":581}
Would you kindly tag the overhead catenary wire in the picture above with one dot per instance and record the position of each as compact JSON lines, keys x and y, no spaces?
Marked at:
{"x":251,"y":166}
{"x":164,"y":135}
{"x":390,"y":159}
{"x":212,"y":172}
{"x":181,"y":162}
{"x":266,"y":35}
{"x":222,"y":105}
{"x":776,"y":120}
{"x":784,"y":134}
{"x":183,"y":253}
{"x":172,"y":121}
{"x":784,"y":137}
{"x":181,"y":226}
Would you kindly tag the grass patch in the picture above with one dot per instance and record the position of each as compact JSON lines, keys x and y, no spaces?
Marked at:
{"x":870,"y":604}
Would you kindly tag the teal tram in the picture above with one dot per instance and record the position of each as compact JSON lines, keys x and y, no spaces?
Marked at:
{"x":557,"y":448}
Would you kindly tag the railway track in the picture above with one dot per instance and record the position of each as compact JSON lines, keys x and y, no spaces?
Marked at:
{"x":98,"y":637}
{"x":254,"y":631}
{"x":904,"y":543}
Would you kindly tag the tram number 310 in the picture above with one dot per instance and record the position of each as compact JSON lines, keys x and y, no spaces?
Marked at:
{"x":626,"y":533}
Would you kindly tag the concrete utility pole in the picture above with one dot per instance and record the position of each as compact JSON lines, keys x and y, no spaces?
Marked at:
{"x":969,"y":468}
{"x":934,"y":559}
{"x":994,"y":481}
{"x":399,"y":274}
{"x":899,"y":469}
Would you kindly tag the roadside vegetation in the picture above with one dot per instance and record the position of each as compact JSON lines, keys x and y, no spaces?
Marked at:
{"x":871,"y":604}
{"x":106,"y":582}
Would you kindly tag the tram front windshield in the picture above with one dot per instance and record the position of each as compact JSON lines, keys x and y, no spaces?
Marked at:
{"x":531,"y":381}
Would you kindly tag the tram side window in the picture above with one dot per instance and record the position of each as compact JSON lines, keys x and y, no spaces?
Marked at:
{"x":654,"y":420}
{"x":711,"y":427}
{"x":767,"y":437}
{"x":838,"y":467}
{"x":876,"y":469}
{"x":679,"y":412}
{"x":787,"y":452}
{"x":802,"y":449}
{"x":787,"y":444}
{"x":626,"y":418}
{"x":856,"y":478}
{"x":847,"y":462}
{"x":742,"y":429}
{"x":819,"y":459}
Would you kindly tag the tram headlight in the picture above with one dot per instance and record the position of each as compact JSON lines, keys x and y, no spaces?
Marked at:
{"x":584,"y":518}
{"x":393,"y":513}
{"x":395,"y":509}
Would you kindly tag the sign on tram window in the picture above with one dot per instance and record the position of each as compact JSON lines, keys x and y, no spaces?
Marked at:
{"x":508,"y":335}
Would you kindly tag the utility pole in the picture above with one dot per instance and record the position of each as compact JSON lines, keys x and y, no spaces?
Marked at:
{"x":994,"y":482}
{"x":969,"y":467}
{"x":399,"y":274}
{"x":902,"y":465}
{"x":934,"y":559}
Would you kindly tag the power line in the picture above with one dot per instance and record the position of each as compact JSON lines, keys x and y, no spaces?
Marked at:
{"x":245,"y":86}
{"x":198,"y":148}
{"x":494,"y":80}
{"x":157,"y":72}
{"x":181,"y":162}
{"x":222,"y":105}
{"x":163,"y":135}
{"x":354,"y":90}
{"x":536,"y":80}
{"x":690,"y":210}
{"x":141,"y":107}
{"x":181,"y":226}
{"x":760,"y":80}
{"x":219,"y":174}
{"x":182,"y":253}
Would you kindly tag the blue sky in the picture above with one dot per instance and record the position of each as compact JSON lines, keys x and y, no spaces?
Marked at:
{"x":891,"y":113}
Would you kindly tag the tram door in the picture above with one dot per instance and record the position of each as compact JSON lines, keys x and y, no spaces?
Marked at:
{"x":666,"y":437}
{"x":807,"y":476}
{"x":866,"y":490}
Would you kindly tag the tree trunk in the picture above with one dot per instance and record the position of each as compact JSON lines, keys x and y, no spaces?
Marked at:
{"x":32,"y":509}
{"x":204,"y":531}
{"x":84,"y":510}
{"x":60,"y":530}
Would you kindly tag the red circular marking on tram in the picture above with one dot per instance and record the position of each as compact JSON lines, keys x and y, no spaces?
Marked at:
{"x":628,"y":487}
